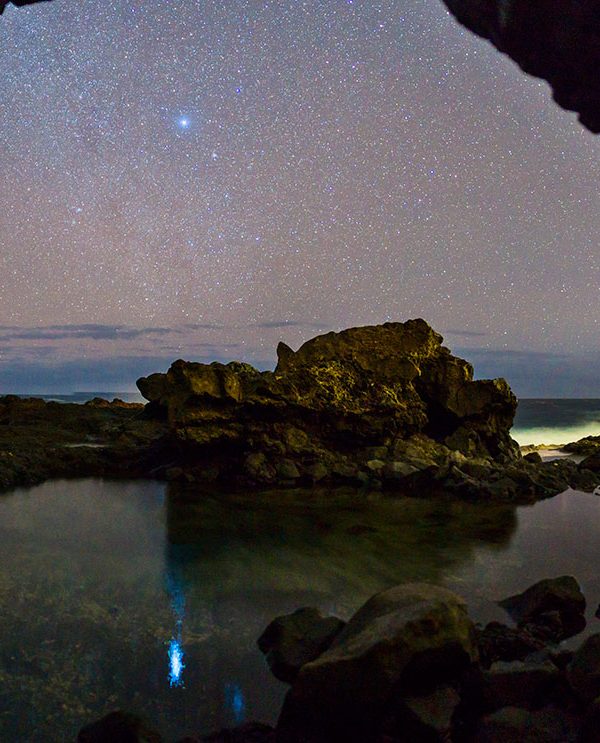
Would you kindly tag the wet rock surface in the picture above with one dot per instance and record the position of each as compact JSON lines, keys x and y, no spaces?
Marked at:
{"x":552,"y":609}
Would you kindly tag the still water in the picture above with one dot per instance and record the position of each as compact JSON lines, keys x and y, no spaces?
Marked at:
{"x":150,"y":597}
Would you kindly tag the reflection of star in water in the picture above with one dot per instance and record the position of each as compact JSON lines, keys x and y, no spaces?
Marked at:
{"x":184,"y":123}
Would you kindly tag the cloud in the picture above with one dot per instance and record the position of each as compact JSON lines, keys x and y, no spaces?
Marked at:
{"x":464,"y":333}
{"x":285,"y":324}
{"x":537,"y":373}
{"x":88,"y":331}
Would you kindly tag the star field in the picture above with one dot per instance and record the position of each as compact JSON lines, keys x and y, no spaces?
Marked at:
{"x":247,"y":171}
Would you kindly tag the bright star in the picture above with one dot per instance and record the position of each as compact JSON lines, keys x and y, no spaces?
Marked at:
{"x":183,"y":123}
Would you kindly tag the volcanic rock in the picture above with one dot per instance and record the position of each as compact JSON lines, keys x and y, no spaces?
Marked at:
{"x":584,"y":670}
{"x":555,"y":607}
{"x":118,"y":727}
{"x":18,"y":3}
{"x":404,"y":642}
{"x":291,"y":641}
{"x":370,"y":404}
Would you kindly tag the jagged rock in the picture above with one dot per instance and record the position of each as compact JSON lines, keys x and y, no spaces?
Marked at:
{"x":364,"y":405}
{"x":118,"y":727}
{"x":558,"y":40}
{"x":586,"y":446}
{"x":403,"y":642}
{"x":291,"y":641}
{"x":555,"y":605}
{"x":592,"y":463}
{"x":584,"y":670}
{"x":516,"y":725}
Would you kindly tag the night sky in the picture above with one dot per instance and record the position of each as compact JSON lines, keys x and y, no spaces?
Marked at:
{"x":201,"y":178}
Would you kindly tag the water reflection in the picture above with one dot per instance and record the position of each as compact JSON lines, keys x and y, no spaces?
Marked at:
{"x":176,"y":591}
{"x":151,"y":599}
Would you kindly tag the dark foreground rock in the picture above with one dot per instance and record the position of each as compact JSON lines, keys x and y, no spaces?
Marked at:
{"x":553,"y":609}
{"x":558,"y":40}
{"x":410,"y":667}
{"x":118,"y":727}
{"x":403,"y":643}
{"x":290,"y":642}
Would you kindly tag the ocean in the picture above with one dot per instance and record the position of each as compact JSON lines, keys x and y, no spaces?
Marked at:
{"x":558,"y":422}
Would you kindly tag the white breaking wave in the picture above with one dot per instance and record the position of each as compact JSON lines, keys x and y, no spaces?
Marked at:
{"x":554,"y":434}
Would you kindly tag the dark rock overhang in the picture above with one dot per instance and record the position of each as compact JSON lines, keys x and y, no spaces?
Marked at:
{"x":19,"y":3}
{"x":557,"y":40}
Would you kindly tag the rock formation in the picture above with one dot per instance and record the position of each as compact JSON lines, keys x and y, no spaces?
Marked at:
{"x":410,"y":666}
{"x":558,"y":40}
{"x":385,"y":401}
{"x":383,"y":405}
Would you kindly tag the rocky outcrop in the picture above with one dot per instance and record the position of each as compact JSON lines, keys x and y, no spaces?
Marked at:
{"x":554,"y":608}
{"x":382,"y":402}
{"x":558,"y":40}
{"x":385,"y":406}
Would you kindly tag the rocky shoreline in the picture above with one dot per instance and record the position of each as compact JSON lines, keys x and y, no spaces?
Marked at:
{"x":410,"y":665}
{"x":381,"y":407}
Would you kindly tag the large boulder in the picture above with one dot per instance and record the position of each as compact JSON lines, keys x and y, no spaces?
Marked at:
{"x":558,"y":40}
{"x":377,"y":403}
{"x":291,"y":641}
{"x":404,"y":642}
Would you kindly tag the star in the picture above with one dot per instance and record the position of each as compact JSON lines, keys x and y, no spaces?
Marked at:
{"x":183,"y":122}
